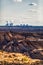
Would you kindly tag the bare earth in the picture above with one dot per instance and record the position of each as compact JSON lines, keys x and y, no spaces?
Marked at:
{"x":21,"y":48}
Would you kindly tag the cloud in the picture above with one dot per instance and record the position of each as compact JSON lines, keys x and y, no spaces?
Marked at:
{"x":17,"y":0}
{"x":33,"y":4}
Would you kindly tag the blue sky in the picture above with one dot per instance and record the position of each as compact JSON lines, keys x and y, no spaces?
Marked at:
{"x":21,"y":12}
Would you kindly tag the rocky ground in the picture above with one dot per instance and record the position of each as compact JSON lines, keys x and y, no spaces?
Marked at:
{"x":29,"y":44}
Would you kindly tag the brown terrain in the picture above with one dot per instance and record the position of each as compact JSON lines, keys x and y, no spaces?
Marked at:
{"x":21,"y":48}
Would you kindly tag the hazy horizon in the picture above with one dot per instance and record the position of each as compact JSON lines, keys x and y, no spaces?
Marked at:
{"x":21,"y":12}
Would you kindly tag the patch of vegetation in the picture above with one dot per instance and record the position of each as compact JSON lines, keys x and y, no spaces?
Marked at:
{"x":37,"y":63}
{"x":34,"y":63}
{"x":25,"y":59}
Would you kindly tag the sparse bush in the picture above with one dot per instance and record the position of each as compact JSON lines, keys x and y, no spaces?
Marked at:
{"x":34,"y":63}
{"x":37,"y":63}
{"x":24,"y":59}
{"x":9,"y":56}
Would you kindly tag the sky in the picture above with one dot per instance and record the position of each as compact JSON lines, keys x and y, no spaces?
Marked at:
{"x":21,"y":12}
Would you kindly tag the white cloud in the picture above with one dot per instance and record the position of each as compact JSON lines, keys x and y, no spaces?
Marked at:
{"x":33,"y":4}
{"x":17,"y":0}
